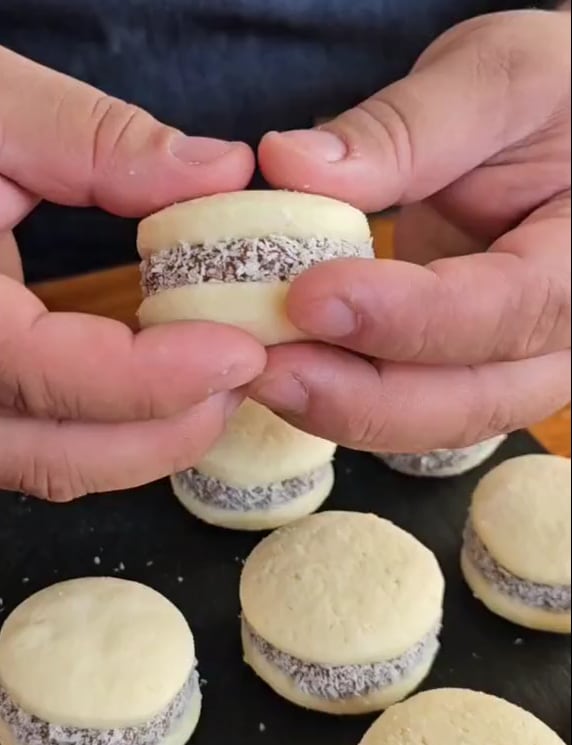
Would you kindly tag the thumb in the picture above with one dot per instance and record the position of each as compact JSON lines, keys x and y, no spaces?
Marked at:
{"x":468,"y":98}
{"x":69,"y":143}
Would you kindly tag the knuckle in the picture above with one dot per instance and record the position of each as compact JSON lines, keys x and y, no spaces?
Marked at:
{"x":496,"y":60}
{"x":368,"y":432}
{"x":112,"y":123}
{"x":53,"y":478}
{"x":550,"y":312}
{"x":421,"y":341}
{"x":12,"y":394}
{"x":367,"y":427}
{"x":382,"y":120}
{"x":16,"y":399}
{"x":488,"y":415}
{"x":499,"y":420}
{"x":34,"y":395}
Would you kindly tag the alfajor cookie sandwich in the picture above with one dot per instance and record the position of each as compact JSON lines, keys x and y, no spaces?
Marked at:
{"x":341,"y":612}
{"x":98,"y":662}
{"x":516,"y":553}
{"x":262,"y":474}
{"x":455,"y":717}
{"x":231,"y":257}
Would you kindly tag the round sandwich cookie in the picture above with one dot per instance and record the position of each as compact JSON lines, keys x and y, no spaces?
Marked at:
{"x":98,"y":661}
{"x":443,"y":463}
{"x":454,"y":717}
{"x":341,"y":612}
{"x":262,"y":474}
{"x":231,"y":257}
{"x":516,"y":553}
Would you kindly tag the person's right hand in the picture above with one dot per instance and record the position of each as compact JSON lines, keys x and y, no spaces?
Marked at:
{"x":85,"y":405}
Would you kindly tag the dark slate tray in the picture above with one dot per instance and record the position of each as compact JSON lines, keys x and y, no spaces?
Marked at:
{"x":145,"y":535}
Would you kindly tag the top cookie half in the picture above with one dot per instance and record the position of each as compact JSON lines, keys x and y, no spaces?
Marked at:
{"x":256,"y":215}
{"x":230,"y":258}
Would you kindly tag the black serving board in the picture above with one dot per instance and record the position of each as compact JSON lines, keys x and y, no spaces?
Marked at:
{"x":146,"y":536}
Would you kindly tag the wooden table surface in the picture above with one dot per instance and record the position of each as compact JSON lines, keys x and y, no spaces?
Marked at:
{"x":115,"y":294}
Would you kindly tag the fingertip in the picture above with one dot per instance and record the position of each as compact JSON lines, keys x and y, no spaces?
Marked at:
{"x":298,"y":367}
{"x":176,"y":169}
{"x":314,"y":284}
{"x":329,"y":300}
{"x":231,"y":170}
{"x":320,"y":389}
{"x":282,"y":166}
{"x":320,"y":161}
{"x":297,"y":161}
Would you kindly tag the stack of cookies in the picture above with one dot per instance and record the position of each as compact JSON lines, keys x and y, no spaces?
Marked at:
{"x":231,"y":259}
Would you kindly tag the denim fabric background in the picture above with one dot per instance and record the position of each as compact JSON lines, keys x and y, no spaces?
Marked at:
{"x":226,"y":68}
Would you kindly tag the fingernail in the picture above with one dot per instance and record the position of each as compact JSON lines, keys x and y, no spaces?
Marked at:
{"x":330,"y":319}
{"x":283,"y":393}
{"x":317,"y":143}
{"x":196,"y":151}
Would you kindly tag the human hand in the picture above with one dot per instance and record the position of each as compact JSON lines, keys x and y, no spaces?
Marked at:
{"x":471,"y":336}
{"x":85,"y":405}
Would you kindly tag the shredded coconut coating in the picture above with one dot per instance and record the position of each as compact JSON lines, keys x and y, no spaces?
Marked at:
{"x":217,"y":494}
{"x":267,"y":259}
{"x":340,"y":683}
{"x":434,"y":462}
{"x":554,"y":598}
{"x":30,"y":730}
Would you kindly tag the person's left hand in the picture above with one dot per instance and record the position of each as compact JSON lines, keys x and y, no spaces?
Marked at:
{"x":470,"y":336}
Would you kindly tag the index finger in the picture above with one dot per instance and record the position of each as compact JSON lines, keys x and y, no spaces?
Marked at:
{"x":71,"y":366}
{"x":94,"y":150}
{"x":60,"y":461}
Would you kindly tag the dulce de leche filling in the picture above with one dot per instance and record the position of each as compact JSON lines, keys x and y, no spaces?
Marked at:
{"x":344,"y":682}
{"x":271,"y":258}
{"x":215,"y":493}
{"x":554,"y":598}
{"x":29,"y":730}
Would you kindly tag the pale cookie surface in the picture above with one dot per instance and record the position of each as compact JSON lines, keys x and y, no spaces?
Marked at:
{"x":342,"y":588}
{"x":255,"y":307}
{"x":187,"y":727}
{"x":251,"y":214}
{"x":457,"y":717}
{"x":521,"y":512}
{"x":96,"y":653}
{"x":259,"y":447}
{"x":255,"y":520}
